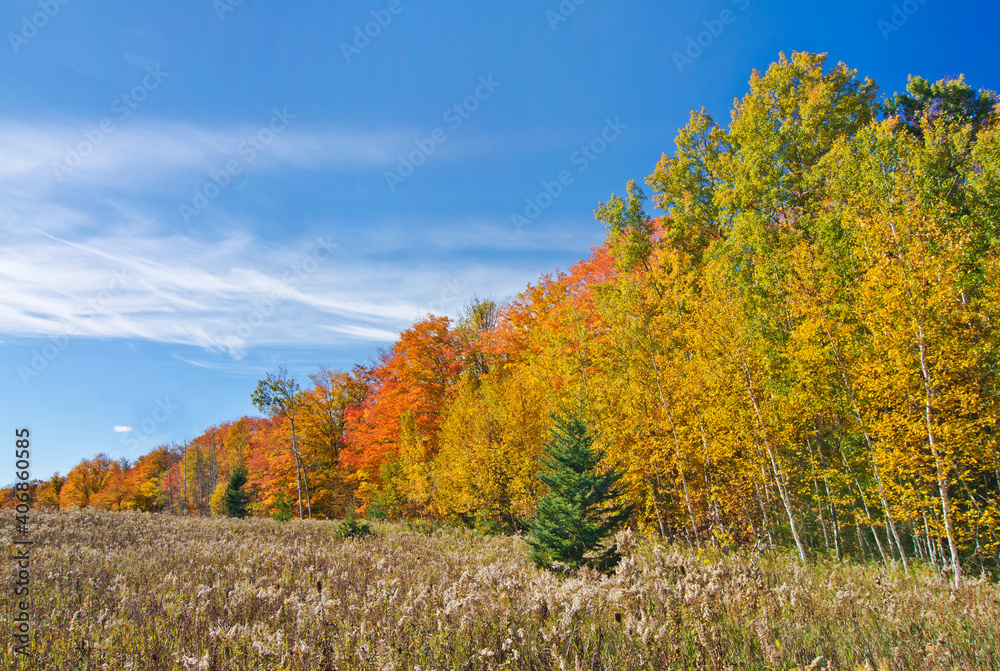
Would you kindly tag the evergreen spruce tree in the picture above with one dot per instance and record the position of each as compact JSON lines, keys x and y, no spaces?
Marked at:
{"x":573,"y":520}
{"x":237,"y":499}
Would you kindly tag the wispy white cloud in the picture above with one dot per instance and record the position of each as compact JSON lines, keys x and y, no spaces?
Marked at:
{"x":105,"y":262}
{"x":175,"y":289}
{"x":151,"y":154}
{"x":229,"y":295}
{"x":123,"y":429}
{"x":365,"y":333}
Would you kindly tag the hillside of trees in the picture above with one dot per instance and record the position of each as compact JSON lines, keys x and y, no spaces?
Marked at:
{"x":792,"y":344}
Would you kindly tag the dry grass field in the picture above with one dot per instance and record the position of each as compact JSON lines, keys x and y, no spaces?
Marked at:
{"x":140,"y":591}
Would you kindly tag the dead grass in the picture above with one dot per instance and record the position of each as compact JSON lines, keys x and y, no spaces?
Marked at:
{"x":136,"y":591}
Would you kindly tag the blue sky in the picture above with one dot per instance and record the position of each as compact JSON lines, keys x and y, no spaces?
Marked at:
{"x":195,"y":192}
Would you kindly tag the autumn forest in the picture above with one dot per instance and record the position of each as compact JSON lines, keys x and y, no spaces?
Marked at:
{"x":789,"y":339}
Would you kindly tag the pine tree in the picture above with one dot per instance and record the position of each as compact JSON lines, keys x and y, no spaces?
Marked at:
{"x":237,"y":499}
{"x":579,"y":512}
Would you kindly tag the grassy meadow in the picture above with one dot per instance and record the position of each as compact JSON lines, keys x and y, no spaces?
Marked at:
{"x":141,"y":591}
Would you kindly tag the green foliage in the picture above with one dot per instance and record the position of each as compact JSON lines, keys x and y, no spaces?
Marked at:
{"x":283,"y":508}
{"x":951,"y":100}
{"x":572,"y":522}
{"x":352,"y":527}
{"x":388,"y":501}
{"x":277,"y":393}
{"x":684,"y":185}
{"x":237,"y":498}
{"x":486,"y":526}
{"x":629,"y":225}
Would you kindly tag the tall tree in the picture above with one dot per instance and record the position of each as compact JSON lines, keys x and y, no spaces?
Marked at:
{"x":278,"y":394}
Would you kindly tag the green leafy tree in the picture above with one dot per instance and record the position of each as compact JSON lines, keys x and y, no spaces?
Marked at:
{"x":572,"y":522}
{"x":237,"y":498}
{"x":949,"y":99}
{"x":629,"y":225}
